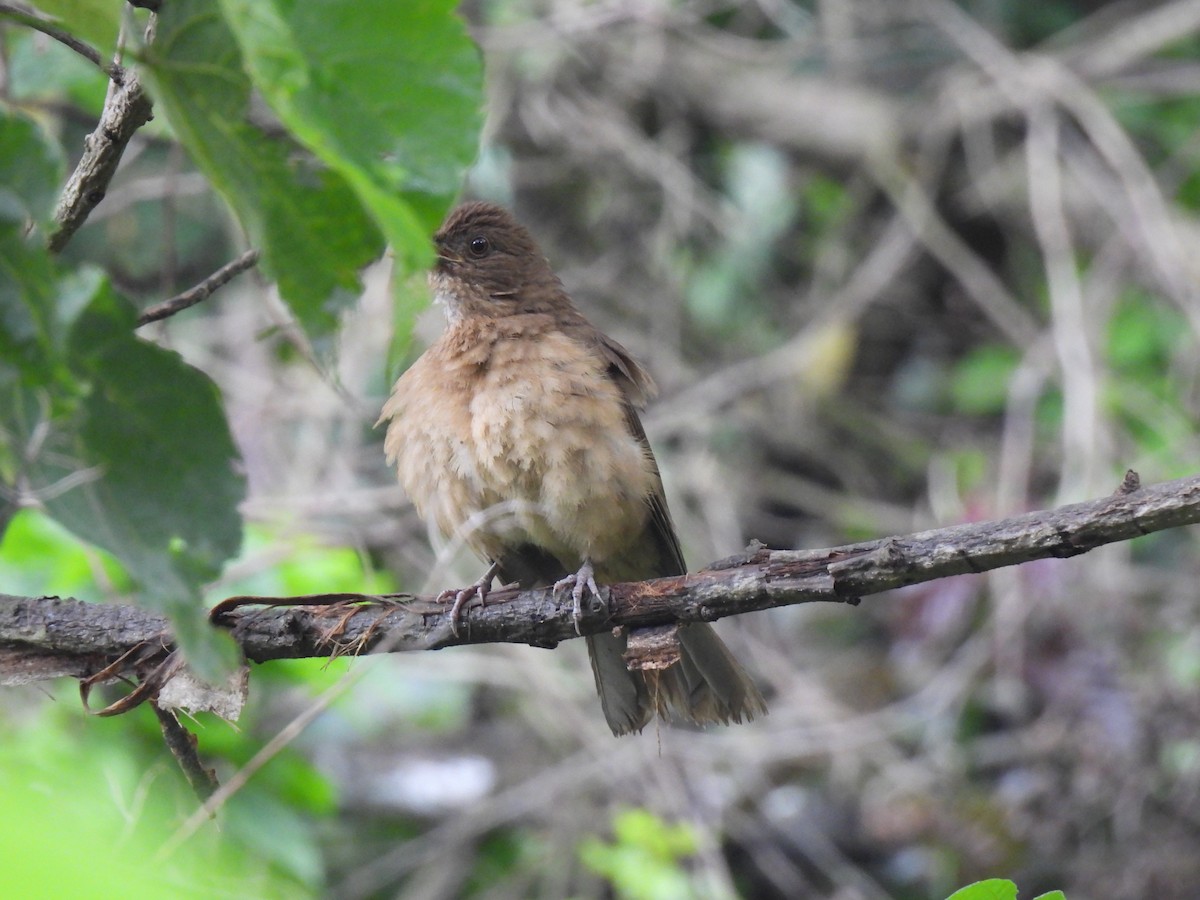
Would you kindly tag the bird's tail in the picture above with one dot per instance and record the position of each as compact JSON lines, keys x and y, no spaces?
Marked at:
{"x":706,"y":685}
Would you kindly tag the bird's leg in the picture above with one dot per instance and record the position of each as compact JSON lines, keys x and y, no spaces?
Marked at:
{"x":580,"y":583}
{"x":461,"y":598}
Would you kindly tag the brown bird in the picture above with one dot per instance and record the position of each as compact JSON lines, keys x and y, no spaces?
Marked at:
{"x":518,"y":430}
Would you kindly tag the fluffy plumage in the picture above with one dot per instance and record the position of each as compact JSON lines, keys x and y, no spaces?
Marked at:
{"x":518,"y":429}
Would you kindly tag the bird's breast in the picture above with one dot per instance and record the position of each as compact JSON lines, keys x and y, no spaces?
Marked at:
{"x":527,"y":444}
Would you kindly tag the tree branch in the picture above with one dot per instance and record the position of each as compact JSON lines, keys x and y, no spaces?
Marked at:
{"x":126,"y":109}
{"x":49,"y":637}
{"x":201,"y":291}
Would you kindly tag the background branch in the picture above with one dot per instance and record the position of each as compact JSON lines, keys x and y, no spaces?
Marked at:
{"x":201,"y":291}
{"x":49,"y":637}
{"x":126,"y":109}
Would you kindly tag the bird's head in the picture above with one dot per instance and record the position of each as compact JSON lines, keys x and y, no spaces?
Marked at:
{"x":489,"y":265}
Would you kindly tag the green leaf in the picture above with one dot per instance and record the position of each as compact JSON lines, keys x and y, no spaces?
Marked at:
{"x":289,"y":845}
{"x":409,"y":297}
{"x":93,"y":790}
{"x":312,"y":230}
{"x":1142,"y":336}
{"x":1051,"y":895}
{"x":30,"y":170}
{"x":27,"y":285}
{"x":36,"y":306}
{"x":158,"y":426}
{"x":979,"y":383}
{"x":389,"y":95}
{"x":826,"y":203}
{"x":641,"y":828}
{"x":992,"y":889}
{"x":43,"y":73}
{"x":95,"y":21}
{"x":644,"y":863}
{"x":39,"y":556}
{"x":163,"y":492}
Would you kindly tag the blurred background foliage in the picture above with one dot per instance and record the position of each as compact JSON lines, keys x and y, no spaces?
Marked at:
{"x":893,"y":264}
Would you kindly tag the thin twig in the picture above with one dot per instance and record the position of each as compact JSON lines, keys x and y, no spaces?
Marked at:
{"x":201,"y":291}
{"x":182,"y":744}
{"x":27,"y":17}
{"x":217,"y":798}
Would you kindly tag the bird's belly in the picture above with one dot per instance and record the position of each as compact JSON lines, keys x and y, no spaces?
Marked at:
{"x":559,"y":467}
{"x":533,"y":447}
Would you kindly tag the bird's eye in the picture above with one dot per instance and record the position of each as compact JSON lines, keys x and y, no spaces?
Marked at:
{"x":479,"y":247}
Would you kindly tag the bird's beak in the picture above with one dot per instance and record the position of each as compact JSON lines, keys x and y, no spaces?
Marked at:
{"x":445,"y":260}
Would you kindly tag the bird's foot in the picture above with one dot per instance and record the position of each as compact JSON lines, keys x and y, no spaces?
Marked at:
{"x":460,"y":598}
{"x":581,"y":583}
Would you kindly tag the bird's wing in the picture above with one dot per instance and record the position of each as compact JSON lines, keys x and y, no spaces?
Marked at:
{"x":637,"y":387}
{"x":635,"y":382}
{"x":708,"y":684}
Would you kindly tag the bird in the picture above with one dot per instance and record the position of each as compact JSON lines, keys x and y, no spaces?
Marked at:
{"x":518,"y":430}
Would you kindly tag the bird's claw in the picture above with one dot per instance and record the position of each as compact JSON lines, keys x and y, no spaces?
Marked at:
{"x":582,"y":582}
{"x":460,"y":598}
